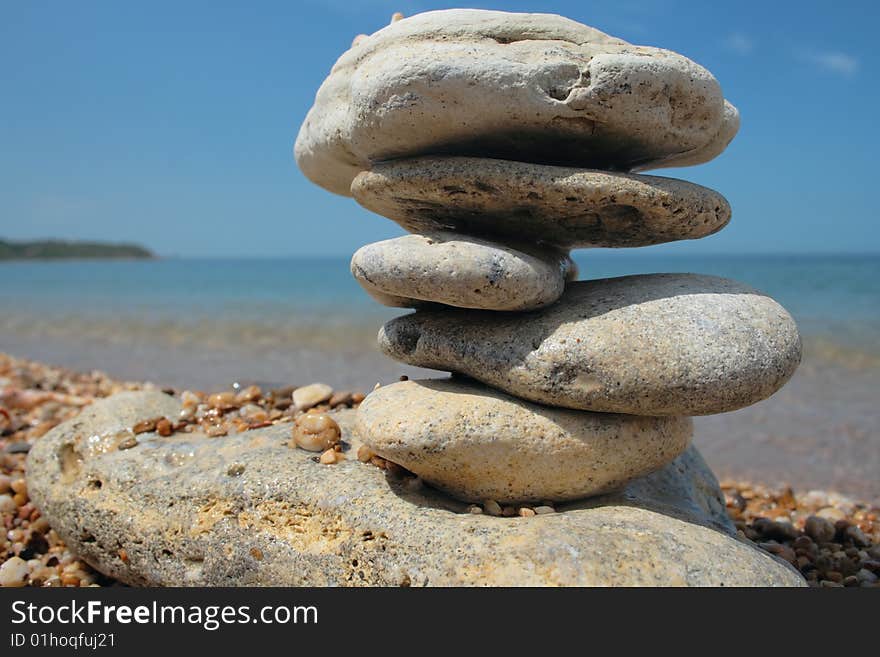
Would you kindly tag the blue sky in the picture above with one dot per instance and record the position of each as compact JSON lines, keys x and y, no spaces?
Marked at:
{"x":172,"y":123}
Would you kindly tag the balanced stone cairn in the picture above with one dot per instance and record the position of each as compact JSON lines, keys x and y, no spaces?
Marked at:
{"x":501,"y":142}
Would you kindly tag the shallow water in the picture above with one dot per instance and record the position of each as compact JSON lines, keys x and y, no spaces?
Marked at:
{"x":206,"y":323}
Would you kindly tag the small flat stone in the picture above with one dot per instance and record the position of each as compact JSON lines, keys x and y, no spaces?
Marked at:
{"x":285,"y":520}
{"x":562,"y":206}
{"x":657,"y":344}
{"x":311,"y":395}
{"x":532,"y":87}
{"x":13,"y":572}
{"x":461,"y":271}
{"x":476,"y":443}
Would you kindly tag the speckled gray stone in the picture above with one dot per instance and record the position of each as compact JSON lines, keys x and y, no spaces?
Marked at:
{"x":657,"y":344}
{"x":558,"y":205}
{"x":531,"y":87}
{"x":476,"y":443}
{"x":461,"y":271}
{"x":246,"y":509}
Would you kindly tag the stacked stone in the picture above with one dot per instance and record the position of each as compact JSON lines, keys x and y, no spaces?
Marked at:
{"x":501,"y":142}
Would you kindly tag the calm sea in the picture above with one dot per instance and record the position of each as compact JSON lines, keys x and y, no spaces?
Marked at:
{"x":316,"y":301}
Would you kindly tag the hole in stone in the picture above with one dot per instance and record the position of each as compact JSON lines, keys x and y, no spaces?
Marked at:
{"x":558,"y":93}
{"x":69,"y":460}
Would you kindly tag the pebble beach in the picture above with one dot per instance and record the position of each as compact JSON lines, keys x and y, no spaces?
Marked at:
{"x":832,"y":539}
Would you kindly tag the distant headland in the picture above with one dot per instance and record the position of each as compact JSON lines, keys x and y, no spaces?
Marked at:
{"x":57,"y":249}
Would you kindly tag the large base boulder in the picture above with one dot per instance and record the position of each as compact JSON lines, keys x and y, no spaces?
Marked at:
{"x":247,"y":509}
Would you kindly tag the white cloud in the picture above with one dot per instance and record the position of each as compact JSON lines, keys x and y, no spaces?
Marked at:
{"x":739,"y":43}
{"x":836,"y":62}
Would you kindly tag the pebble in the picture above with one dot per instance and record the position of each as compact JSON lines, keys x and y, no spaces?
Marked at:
{"x":145,"y":426}
{"x":857,"y":536}
{"x":819,"y":529}
{"x":331,"y":456}
{"x":831,"y":513}
{"x":7,"y":504}
{"x":541,"y":510}
{"x":492,"y":508}
{"x":13,"y":572}
{"x":5,"y":482}
{"x":222,"y":400}
{"x":781,"y":551}
{"x":776,"y":530}
{"x":311,"y":395}
{"x":253,"y":413}
{"x":249,"y":394}
{"x":128,"y":443}
{"x":526,"y":512}
{"x":803,"y":543}
{"x":315,"y":432}
{"x":340,"y":399}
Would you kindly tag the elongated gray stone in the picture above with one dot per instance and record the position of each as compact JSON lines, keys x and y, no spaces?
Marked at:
{"x":658,"y":344}
{"x":247,"y":510}
{"x":477,"y":443}
{"x":462,"y":271}
{"x":532,"y":87}
{"x":562,"y":206}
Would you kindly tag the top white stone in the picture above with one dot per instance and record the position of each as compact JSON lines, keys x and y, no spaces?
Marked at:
{"x":528,"y":87}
